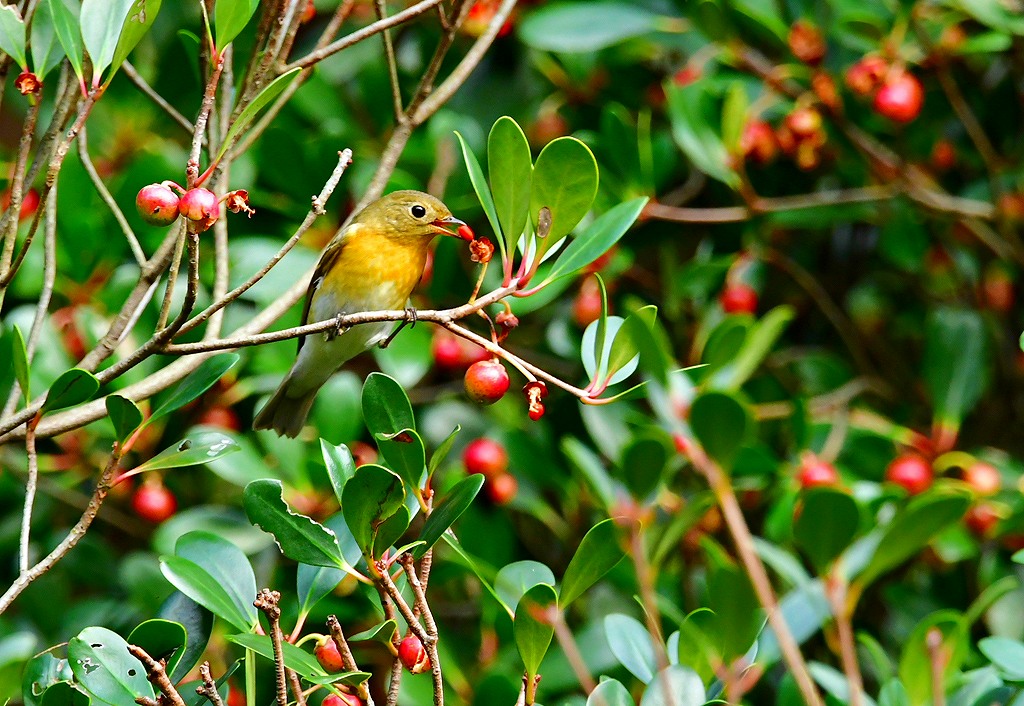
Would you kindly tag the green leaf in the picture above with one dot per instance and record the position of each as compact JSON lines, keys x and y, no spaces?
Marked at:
{"x":198,"y":625}
{"x":643,"y":462}
{"x":371,"y":496}
{"x":65,"y":23}
{"x":41,"y":673}
{"x":102,"y":664}
{"x":340,"y":465}
{"x":1006,"y":654}
{"x":917,"y":524}
{"x":378,"y":633}
{"x":610,"y":692}
{"x":734,"y":116}
{"x":140,"y":18}
{"x":198,"y":381}
{"x":162,"y":640}
{"x":441,"y":452}
{"x":483,"y":193}
{"x":675,"y":686}
{"x":12,"y":34}
{"x":65,"y":693}
{"x":565,"y":182}
{"x":631,"y":644}
{"x":689,"y":109}
{"x":391,"y":530}
{"x":586,"y":26}
{"x":738,"y":614}
{"x":271,"y":91}
{"x":298,"y":536}
{"x":513,"y":580}
{"x":917,"y":662}
{"x":596,"y":238}
{"x":215,"y":574}
{"x":721,"y":424}
{"x":625,"y":349}
{"x":599,"y":551}
{"x":101,"y":22}
{"x":955,"y":362}
{"x":386,"y":406}
{"x":595,"y":352}
{"x":404,"y":453}
{"x":304,"y":664}
{"x":757,"y":344}
{"x":19,"y":354}
{"x":230,"y":17}
{"x":450,"y":509}
{"x":313,"y":583}
{"x":124,"y":416}
{"x":533,"y":625}
{"x":194,"y":450}
{"x":827,"y":524}
{"x":510,"y":170}
{"x":72,"y":388}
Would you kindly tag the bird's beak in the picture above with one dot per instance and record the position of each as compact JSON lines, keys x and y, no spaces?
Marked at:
{"x":450,"y":226}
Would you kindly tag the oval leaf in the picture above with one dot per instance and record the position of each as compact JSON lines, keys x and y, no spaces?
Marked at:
{"x":73,"y":387}
{"x":515,"y":579}
{"x":721,"y":424}
{"x":386,"y":406}
{"x":675,"y":686}
{"x":65,"y":24}
{"x":46,"y":49}
{"x":533,"y":625}
{"x":249,"y":113}
{"x":631,"y":644}
{"x":404,"y":453}
{"x":510,"y":169}
{"x":483,"y":193}
{"x":340,"y":465}
{"x":565,"y":182}
{"x":162,"y":640}
{"x":448,"y":511}
{"x":101,"y":22}
{"x":371,"y":496}
{"x":19,"y":356}
{"x":230,"y":17}
{"x":610,"y":692}
{"x":585,"y":27}
{"x":124,"y":415}
{"x":599,"y":551}
{"x":12,"y":34}
{"x":298,"y":537}
{"x":597,"y":238}
{"x":827,"y":524}
{"x":199,"y":448}
{"x":198,"y":381}
{"x":140,"y":18}
{"x":102,"y":664}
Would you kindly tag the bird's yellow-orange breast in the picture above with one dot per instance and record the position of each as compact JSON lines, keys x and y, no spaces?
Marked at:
{"x":375,"y":270}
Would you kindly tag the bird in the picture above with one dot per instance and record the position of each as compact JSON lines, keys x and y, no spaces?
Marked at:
{"x":373,"y":264}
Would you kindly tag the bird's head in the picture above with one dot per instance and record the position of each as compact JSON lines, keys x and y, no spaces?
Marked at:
{"x":410,"y":214}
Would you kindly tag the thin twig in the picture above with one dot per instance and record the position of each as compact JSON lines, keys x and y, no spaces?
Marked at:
{"x":157,"y":671}
{"x":30,"y":494}
{"x":209,"y":687}
{"x":17,"y":191}
{"x":172,"y":274}
{"x":149,"y":92}
{"x":572,"y":653}
{"x":108,"y":199}
{"x":835,"y":587}
{"x":199,"y":131}
{"x":347,"y":660}
{"x":423,"y":608}
{"x":267,"y":603}
{"x":389,"y":54}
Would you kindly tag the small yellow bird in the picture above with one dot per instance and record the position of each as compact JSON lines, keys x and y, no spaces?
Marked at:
{"x":372,"y":265}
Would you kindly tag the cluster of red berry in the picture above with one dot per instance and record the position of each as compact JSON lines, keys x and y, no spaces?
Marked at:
{"x":159,"y":205}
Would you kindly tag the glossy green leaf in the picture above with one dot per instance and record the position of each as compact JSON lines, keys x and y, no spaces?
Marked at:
{"x":42,"y":672}
{"x":533,"y":625}
{"x":405,"y":455}
{"x":643,"y":463}
{"x":442,"y":450}
{"x":696,"y":647}
{"x":510,"y":170}
{"x":513,"y":581}
{"x":591,"y":467}
{"x":313,"y":583}
{"x":595,"y":356}
{"x":72,"y":388}
{"x":893,"y":693}
{"x":386,"y":406}
{"x":340,"y":465}
{"x":304,"y":664}
{"x":199,"y":448}
{"x":1006,"y":654}
{"x":230,"y":17}
{"x":391,"y":530}
{"x":65,"y":693}
{"x":955,"y":362}
{"x":140,"y":18}
{"x":383,"y":633}
{"x":162,"y":640}
{"x":625,"y":348}
{"x":631,"y":644}
{"x":104,"y":667}
{"x":738,"y":613}
{"x":101,"y":22}
{"x":913,"y":527}
{"x":597,"y":238}
{"x":124,"y":416}
{"x":586,"y":27}
{"x":483,"y":192}
{"x":46,"y":50}
{"x":65,"y":24}
{"x":198,"y":381}
{"x":917,"y":664}
{"x":198,"y":624}
{"x":721,"y":424}
{"x":19,"y":356}
{"x":827,"y":523}
{"x":675,"y":686}
{"x":215,"y":574}
{"x":610,"y":692}
{"x":299,"y":537}
{"x":565,"y":182}
{"x":12,"y":34}
{"x":448,"y":510}
{"x":689,"y":109}
{"x":271,"y":91}
{"x":760,"y":337}
{"x":371,"y":496}
{"x":600,"y":550}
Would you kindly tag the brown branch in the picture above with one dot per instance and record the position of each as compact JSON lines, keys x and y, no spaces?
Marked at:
{"x":835,"y":589}
{"x":108,"y":199}
{"x":199,"y":131}
{"x":347,"y":660}
{"x":409,"y":565}
{"x":572,"y":653}
{"x":209,"y":687}
{"x":267,"y":603}
{"x":389,"y":53}
{"x":30,"y":493}
{"x":157,"y":671}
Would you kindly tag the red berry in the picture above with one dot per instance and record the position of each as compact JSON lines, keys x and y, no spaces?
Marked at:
{"x":485,"y":456}
{"x":326,"y":652}
{"x":446,"y":351}
{"x":362,"y":453}
{"x":201,"y":207}
{"x":486,"y":381}
{"x":815,"y":473}
{"x":910,"y":471}
{"x":413,"y":656}
{"x":223,"y":417}
{"x":308,"y":12}
{"x":465,"y":232}
{"x":502,"y":488}
{"x":997,"y":289}
{"x":806,"y":42}
{"x":157,"y":204}
{"x":900,"y":98}
{"x":153,"y":502}
{"x":29,"y":204}
{"x":343,"y":700}
{"x":943,"y":155}
{"x":758,"y":142}
{"x":686,"y":75}
{"x":739,"y":298}
{"x":235,"y":697}
{"x":983,"y":478}
{"x":865,"y":76}
{"x":804,"y":122}
{"x":586,"y":307}
{"x":981,"y":518}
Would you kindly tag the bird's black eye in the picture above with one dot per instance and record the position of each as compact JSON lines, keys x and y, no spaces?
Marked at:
{"x":418,"y":211}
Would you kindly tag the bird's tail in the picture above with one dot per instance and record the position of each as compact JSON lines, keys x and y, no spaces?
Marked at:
{"x":285,"y":414}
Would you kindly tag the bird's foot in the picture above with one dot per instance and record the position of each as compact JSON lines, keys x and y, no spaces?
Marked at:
{"x":339,"y":327}
{"x":411,"y":317}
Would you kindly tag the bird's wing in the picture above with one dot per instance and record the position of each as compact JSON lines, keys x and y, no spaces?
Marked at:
{"x":327,"y":260}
